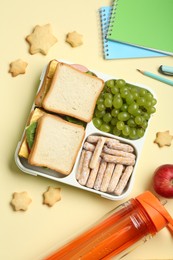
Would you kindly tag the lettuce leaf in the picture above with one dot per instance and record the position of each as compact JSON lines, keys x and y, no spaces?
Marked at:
{"x":75,"y":121}
{"x":30,"y":134}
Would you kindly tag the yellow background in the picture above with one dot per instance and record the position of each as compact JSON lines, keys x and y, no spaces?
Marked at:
{"x":33,"y":234}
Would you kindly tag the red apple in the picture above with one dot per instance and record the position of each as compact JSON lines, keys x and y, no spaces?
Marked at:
{"x":163,"y":180}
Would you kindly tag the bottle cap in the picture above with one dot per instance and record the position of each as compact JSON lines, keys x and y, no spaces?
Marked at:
{"x":156,"y":211}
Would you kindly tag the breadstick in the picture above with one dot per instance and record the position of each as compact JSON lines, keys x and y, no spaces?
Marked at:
{"x":107,"y":176}
{"x":117,"y":159}
{"x":97,"y":152}
{"x":115,"y":177}
{"x":85,"y":168}
{"x":80,"y":164}
{"x":99,"y":178}
{"x":93,"y":174}
{"x":112,"y":140}
{"x":118,"y":152}
{"x":94,"y":139}
{"x":89,"y":147}
{"x":120,"y":146}
{"x":123,"y":181}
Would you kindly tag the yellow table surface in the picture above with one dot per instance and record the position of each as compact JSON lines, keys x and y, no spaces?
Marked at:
{"x":33,"y":234}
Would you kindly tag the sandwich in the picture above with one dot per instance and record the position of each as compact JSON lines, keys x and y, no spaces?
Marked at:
{"x":51,"y":142}
{"x":69,"y":91}
{"x":54,"y":135}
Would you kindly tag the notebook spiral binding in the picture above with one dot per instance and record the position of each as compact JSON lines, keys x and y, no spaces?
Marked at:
{"x":104,"y":28}
{"x":112,"y":18}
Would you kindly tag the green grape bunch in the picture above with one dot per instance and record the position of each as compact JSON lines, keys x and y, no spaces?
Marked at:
{"x":123,"y":109}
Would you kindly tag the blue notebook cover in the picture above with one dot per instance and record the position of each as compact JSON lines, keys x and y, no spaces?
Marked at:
{"x":117,"y":50}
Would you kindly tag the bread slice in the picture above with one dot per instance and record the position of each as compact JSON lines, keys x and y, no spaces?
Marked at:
{"x":56,"y":144}
{"x":73,"y":93}
{"x":50,"y":70}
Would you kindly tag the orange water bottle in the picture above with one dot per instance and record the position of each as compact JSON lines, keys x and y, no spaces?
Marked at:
{"x":131,"y":223}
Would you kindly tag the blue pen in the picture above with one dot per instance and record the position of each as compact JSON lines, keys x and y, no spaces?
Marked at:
{"x":154,"y":76}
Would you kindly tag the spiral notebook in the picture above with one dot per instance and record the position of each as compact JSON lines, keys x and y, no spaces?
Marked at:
{"x":144,"y":23}
{"x":117,"y":50}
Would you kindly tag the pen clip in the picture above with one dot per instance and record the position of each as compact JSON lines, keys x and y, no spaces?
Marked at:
{"x":166,"y":70}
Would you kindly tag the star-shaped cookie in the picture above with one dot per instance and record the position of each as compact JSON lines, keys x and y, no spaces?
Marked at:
{"x":20,"y":201}
{"x":163,"y":139}
{"x":74,"y":39}
{"x":51,"y":196}
{"x":41,"y":39}
{"x":18,"y":67}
